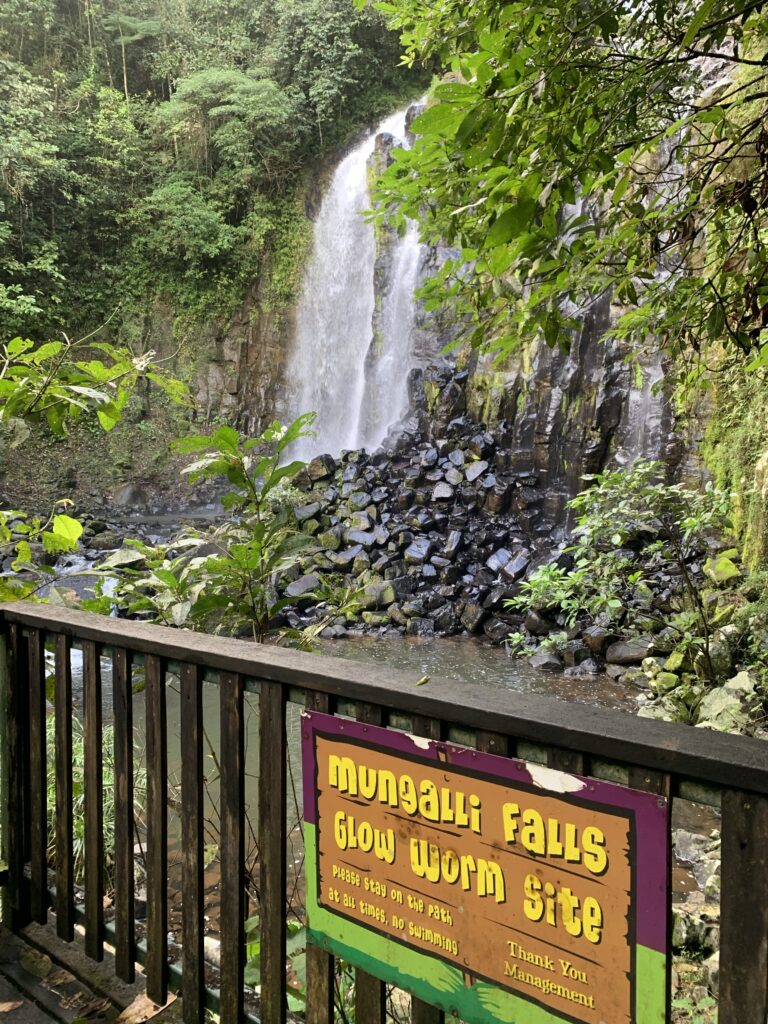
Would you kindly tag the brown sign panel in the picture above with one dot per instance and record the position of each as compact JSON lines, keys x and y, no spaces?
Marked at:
{"x":529,"y":887}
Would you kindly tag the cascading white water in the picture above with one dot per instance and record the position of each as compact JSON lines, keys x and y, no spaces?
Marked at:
{"x":385,"y":401}
{"x":327,"y":369}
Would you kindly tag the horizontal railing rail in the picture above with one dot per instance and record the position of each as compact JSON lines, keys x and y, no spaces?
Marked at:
{"x":655,"y":756}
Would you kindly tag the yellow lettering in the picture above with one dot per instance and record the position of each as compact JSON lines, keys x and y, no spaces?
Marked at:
{"x":429,"y":802}
{"x":474,"y":814}
{"x":367,"y":779}
{"x":408,"y":799}
{"x":554,"y":846}
{"x":572,"y":851}
{"x":490,"y":880}
{"x":595,"y":855}
{"x":342,"y":774}
{"x":340,"y":830}
{"x":593,"y":920}
{"x":425,"y":860}
{"x":533,"y":905}
{"x":532,"y":836}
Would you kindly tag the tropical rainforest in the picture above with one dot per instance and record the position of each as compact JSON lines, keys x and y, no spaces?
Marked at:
{"x":589,"y":181}
{"x":151,"y":150}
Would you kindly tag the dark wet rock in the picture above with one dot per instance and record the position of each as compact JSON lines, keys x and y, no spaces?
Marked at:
{"x":420,"y":627}
{"x":361,"y":563}
{"x":595,"y":637}
{"x":333,"y":632}
{"x":516,"y":567}
{"x":588,"y":667}
{"x":360,"y":521}
{"x":321,"y":467}
{"x":413,"y":608}
{"x":472,"y":617}
{"x":496,"y":597}
{"x":367,"y":540}
{"x":344,"y":559}
{"x":497,"y":500}
{"x":107,"y":540}
{"x":496,"y":630}
{"x":445,"y":619}
{"x":575,"y":652}
{"x":359,"y":500}
{"x":429,"y":458}
{"x":303,"y":585}
{"x":418,"y":551}
{"x":452,"y":544}
{"x":629,"y":652}
{"x":481,"y":444}
{"x":545,"y":662}
{"x":475,"y":470}
{"x":397,"y":615}
{"x":537,"y":625}
{"x":442,"y":492}
{"x":305,"y":512}
{"x":498,"y":559}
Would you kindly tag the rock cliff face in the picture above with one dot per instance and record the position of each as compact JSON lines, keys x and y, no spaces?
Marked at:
{"x":239,"y":375}
{"x":561,"y":415}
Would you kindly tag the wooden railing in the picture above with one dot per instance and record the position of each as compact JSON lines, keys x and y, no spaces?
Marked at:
{"x":676,"y":761}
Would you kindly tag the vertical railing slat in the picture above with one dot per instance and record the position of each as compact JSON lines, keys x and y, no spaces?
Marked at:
{"x":652,"y":781}
{"x":272,"y":843}
{"x":232,"y":855}
{"x":493,"y":743}
{"x":744,"y":909}
{"x":18,"y":775}
{"x":320,"y":965}
{"x":562,"y":760}
{"x":421,"y":1012}
{"x":157,"y":831}
{"x":370,"y":993}
{"x":65,"y":881}
{"x":94,"y":803}
{"x":193,"y":979}
{"x":38,"y":771}
{"x":122,"y":703}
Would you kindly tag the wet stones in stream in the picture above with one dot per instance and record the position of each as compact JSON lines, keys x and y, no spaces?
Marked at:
{"x":435,"y":533}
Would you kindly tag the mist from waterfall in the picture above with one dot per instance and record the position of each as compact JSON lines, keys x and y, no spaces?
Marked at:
{"x":335,"y":348}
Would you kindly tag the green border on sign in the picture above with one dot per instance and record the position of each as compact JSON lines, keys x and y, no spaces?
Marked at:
{"x":436,"y":982}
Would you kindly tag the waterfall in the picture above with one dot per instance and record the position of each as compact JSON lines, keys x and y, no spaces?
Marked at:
{"x":353,"y":381}
{"x":385,"y":401}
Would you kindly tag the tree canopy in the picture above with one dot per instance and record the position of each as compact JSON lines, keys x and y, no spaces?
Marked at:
{"x":154,"y":149}
{"x":576,"y":149}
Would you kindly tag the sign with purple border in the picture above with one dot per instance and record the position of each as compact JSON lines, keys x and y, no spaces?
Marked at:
{"x":497,"y":889}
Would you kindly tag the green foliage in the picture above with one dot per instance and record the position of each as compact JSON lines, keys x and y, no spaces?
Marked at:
{"x":49,"y":382}
{"x":55,"y":383}
{"x":573,"y":153}
{"x":232,"y":589}
{"x":694,"y":1011}
{"x":150,"y":150}
{"x":629,"y":522}
{"x":296,"y":954}
{"x":736,"y":453}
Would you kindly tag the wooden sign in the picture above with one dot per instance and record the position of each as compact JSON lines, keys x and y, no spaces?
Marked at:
{"x":496,"y":889}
